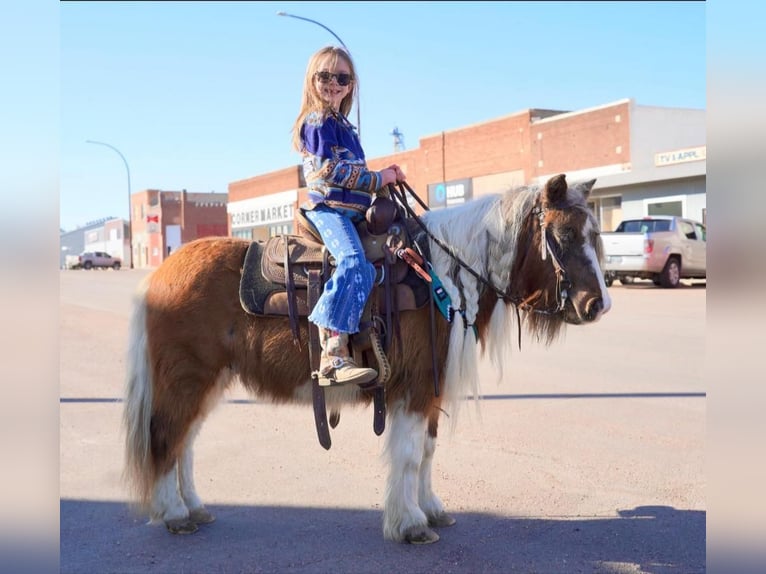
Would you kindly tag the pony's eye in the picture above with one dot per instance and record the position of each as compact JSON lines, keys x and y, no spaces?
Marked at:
{"x":566,"y":235}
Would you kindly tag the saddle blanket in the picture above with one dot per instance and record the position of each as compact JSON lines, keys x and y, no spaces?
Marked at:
{"x":260,"y":295}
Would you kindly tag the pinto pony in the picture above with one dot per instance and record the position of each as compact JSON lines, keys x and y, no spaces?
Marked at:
{"x":535,"y":251}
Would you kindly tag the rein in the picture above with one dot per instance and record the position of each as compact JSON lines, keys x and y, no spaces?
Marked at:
{"x":562,"y":281}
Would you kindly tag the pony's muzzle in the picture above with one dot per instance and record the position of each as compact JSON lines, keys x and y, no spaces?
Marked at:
{"x":594,"y":308}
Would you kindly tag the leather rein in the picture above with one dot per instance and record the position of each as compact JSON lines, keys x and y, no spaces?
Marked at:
{"x":562,"y":281}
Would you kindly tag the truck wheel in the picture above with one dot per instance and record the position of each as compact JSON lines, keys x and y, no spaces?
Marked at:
{"x":116,"y":266}
{"x":87,"y":265}
{"x":608,"y":280}
{"x":626,"y":280}
{"x":671,"y":274}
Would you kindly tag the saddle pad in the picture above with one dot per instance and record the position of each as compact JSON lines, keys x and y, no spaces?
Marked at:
{"x":254,"y":288}
{"x":261,"y":296}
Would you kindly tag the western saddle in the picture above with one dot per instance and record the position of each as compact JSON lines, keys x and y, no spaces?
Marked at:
{"x":285,"y":275}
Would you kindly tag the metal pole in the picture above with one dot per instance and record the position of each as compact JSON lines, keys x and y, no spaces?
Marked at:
{"x":358,"y":114}
{"x":130,"y":206}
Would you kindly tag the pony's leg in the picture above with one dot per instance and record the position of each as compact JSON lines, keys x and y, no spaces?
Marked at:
{"x":175,"y":500}
{"x":429,"y":503}
{"x":168,"y":506}
{"x":175,"y":424}
{"x":403,"y":519}
{"x":197,"y":511}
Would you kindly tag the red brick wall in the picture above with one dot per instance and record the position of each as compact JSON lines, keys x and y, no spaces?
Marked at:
{"x":596,"y":138}
{"x":482,"y":149}
{"x":267,"y":183}
{"x":487,"y":148}
{"x":202,"y":221}
{"x":198,"y":214}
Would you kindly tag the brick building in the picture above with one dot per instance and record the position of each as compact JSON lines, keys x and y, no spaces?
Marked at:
{"x":164,"y":220}
{"x":647,"y":160}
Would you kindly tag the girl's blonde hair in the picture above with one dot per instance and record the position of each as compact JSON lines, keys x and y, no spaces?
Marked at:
{"x":311,"y":101}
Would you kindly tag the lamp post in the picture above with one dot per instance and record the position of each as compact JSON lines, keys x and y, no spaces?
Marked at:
{"x":358,"y":115}
{"x":130,"y":206}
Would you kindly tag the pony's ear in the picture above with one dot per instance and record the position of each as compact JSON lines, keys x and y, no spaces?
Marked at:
{"x":586,"y":187}
{"x":555,"y":189}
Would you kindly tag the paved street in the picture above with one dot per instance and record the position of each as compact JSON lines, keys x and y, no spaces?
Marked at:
{"x":587,"y":457}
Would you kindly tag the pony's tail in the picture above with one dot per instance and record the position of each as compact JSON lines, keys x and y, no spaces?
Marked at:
{"x":139,"y":469}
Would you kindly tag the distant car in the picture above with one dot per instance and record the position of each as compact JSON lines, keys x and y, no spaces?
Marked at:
{"x":662,"y":248}
{"x":92,"y":259}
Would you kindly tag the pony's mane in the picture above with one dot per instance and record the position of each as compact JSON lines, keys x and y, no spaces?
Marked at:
{"x":484,"y":233}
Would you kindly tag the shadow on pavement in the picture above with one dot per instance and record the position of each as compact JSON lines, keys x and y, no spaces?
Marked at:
{"x":104,"y":537}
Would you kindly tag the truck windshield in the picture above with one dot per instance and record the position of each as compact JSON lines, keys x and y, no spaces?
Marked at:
{"x":644,"y":225}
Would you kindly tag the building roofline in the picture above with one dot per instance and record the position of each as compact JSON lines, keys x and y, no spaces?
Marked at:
{"x":552,"y":116}
{"x":565,"y":115}
{"x":295,"y":167}
{"x":523,"y":112}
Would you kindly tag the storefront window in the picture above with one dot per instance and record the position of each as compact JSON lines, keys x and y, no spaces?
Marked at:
{"x":242,"y":233}
{"x":283,"y":229}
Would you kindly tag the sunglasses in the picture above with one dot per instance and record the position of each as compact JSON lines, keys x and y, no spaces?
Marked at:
{"x":343,"y":79}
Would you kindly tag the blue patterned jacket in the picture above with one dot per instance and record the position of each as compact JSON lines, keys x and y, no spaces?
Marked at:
{"x":334,"y":166}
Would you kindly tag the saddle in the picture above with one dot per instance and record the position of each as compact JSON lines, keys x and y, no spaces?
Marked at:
{"x":285,"y":275}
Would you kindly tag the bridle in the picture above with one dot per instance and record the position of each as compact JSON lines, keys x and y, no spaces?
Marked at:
{"x":562,"y":281}
{"x":563,"y":284}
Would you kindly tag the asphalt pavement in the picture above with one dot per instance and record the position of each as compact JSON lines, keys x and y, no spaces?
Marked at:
{"x":587,"y":457}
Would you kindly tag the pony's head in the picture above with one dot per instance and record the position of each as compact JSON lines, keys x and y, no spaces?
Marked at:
{"x":556,"y":275}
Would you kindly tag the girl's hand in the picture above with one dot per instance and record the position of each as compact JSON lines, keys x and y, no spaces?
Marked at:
{"x":392,"y":174}
{"x":388,"y":176}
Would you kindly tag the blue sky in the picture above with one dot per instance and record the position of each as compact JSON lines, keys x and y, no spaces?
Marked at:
{"x":197,"y":95}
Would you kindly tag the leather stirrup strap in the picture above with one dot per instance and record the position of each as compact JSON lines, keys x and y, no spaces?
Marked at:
{"x":315,"y":352}
{"x":379,"y":403}
{"x":312,"y":296}
{"x":384,"y":368}
{"x":320,"y":414}
{"x":389,"y":302}
{"x":292,"y":305}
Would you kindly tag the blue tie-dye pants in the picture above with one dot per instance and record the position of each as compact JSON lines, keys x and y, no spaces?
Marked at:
{"x":342,"y":302}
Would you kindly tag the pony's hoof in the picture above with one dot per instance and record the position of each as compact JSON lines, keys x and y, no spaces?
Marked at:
{"x":420,"y":535}
{"x":201,"y":515}
{"x":181,"y":526}
{"x":441,"y":520}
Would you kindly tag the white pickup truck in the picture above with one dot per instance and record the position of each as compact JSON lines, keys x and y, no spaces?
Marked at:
{"x":662,"y":248}
{"x":93,"y":259}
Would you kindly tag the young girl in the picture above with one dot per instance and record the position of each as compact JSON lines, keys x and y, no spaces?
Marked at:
{"x":340,"y":189}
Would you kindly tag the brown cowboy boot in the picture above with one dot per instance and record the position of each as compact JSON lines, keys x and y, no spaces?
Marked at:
{"x":336,"y":366}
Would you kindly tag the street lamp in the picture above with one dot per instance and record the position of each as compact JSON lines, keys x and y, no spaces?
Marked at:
{"x":130,"y":206}
{"x":358,"y":115}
